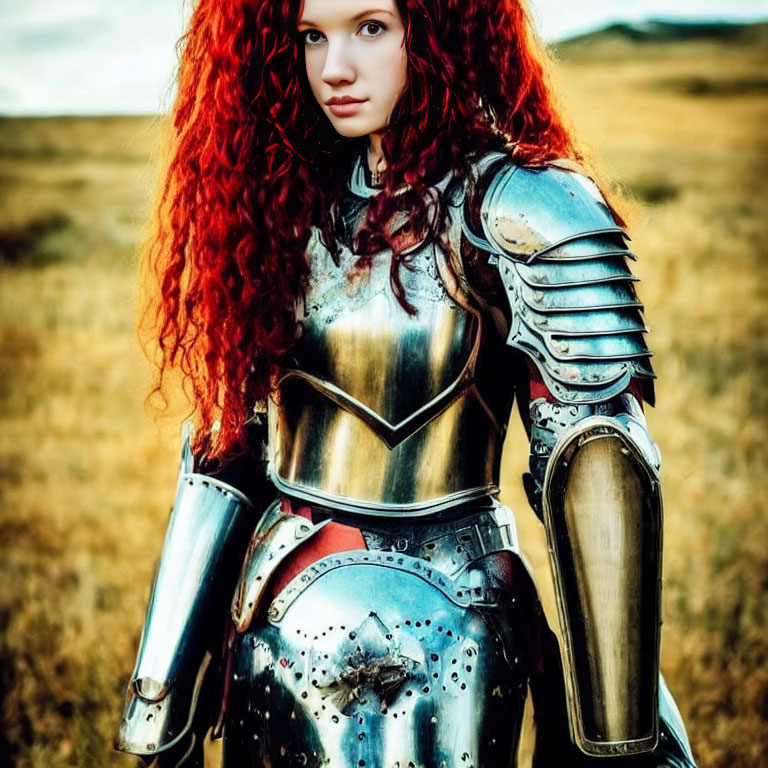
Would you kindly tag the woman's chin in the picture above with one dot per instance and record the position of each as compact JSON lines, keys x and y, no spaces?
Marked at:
{"x":349,"y":130}
{"x":354,"y":126}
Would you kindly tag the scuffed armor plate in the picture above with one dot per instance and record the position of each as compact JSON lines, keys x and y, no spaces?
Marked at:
{"x":602,"y":513}
{"x":373,"y":666}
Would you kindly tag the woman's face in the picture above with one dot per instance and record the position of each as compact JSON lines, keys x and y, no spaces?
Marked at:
{"x":356,"y":61}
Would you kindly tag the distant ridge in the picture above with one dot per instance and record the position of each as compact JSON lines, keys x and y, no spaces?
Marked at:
{"x":672,"y":31}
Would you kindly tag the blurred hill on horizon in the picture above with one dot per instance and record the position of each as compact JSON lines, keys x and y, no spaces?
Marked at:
{"x":655,"y":31}
{"x":86,"y":477}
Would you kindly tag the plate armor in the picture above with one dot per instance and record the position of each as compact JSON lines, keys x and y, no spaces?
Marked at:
{"x":383,"y":615}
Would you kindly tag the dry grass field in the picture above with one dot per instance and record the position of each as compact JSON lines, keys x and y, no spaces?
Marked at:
{"x":86,"y":478}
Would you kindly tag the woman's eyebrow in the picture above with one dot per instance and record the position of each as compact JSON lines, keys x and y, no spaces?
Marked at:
{"x":368,"y":13}
{"x":356,"y":17}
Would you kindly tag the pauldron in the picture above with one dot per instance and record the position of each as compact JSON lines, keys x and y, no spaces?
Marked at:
{"x":563,"y":264}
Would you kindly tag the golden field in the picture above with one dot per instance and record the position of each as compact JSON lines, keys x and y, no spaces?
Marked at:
{"x":86,"y":477}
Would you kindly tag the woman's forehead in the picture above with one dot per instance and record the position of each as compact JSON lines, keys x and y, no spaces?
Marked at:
{"x":324,"y":11}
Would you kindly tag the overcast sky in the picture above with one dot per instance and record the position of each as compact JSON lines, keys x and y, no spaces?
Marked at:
{"x":117,"y":56}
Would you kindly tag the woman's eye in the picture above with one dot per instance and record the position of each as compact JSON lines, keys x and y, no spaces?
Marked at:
{"x":313,"y":37}
{"x":372,"y":28}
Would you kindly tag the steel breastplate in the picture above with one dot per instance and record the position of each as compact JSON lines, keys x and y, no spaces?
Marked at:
{"x":381,"y":412}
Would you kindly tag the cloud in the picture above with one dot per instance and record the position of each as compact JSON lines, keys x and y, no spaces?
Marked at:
{"x":53,"y":37}
{"x":87,"y":56}
{"x":100,"y":56}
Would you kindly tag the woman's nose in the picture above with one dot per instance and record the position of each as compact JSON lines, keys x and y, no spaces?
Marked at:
{"x":339,"y":65}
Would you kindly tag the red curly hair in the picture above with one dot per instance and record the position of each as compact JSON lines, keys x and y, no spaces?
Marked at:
{"x":254,"y":165}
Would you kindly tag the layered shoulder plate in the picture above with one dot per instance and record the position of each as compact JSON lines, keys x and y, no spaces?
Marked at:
{"x":527,"y":212}
{"x":563,"y":261}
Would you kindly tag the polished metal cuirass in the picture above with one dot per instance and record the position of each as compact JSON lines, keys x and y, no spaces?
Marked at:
{"x":382,"y":411}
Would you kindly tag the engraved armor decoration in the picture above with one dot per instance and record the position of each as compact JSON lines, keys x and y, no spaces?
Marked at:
{"x":383,"y":411}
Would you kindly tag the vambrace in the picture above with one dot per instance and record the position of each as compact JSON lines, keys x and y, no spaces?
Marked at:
{"x":602,"y":512}
{"x":207,"y":536}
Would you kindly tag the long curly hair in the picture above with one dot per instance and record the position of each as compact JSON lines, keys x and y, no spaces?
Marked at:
{"x":253,"y":165}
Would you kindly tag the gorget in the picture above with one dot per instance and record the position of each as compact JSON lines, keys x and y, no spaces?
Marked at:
{"x":382,"y":411}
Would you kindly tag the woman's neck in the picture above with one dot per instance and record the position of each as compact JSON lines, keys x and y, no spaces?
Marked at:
{"x":376,"y":162}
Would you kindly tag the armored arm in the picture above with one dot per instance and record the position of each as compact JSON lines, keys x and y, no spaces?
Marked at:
{"x":169,"y":703}
{"x":575,"y":317}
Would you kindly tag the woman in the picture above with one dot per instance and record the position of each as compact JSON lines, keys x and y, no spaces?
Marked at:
{"x":370,"y":237}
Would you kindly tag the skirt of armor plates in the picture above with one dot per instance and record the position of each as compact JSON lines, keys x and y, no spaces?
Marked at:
{"x":412,"y":650}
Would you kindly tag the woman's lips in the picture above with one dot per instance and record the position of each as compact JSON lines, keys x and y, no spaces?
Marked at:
{"x":345,"y":109}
